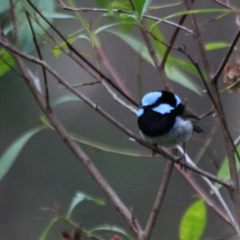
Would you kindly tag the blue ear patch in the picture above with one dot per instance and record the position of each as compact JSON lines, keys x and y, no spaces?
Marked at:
{"x":178,"y":100}
{"x":151,"y":98}
{"x":163,"y":108}
{"x":139,"y":112}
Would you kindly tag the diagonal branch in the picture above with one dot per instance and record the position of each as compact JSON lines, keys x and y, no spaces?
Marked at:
{"x":158,"y":201}
{"x":78,"y":152}
{"x":107,"y":116}
{"x":226,"y":58}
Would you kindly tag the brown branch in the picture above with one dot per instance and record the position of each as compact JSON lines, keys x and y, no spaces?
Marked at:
{"x":110,"y":68}
{"x":172,"y":40}
{"x":226,"y":58}
{"x":101,"y":75}
{"x":107,"y":116}
{"x":208,"y":200}
{"x":160,"y":70}
{"x":78,"y":152}
{"x":65,"y":7}
{"x":223,"y":4}
{"x":229,"y":145}
{"x":158,"y":201}
{"x":40,"y":57}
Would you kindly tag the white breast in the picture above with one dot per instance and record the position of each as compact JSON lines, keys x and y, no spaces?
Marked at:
{"x":181,"y":132}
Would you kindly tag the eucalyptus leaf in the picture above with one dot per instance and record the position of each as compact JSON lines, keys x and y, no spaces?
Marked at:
{"x":193,"y":222}
{"x":47,"y":229}
{"x":216,"y":45}
{"x":198,"y":11}
{"x":172,"y":72}
{"x":39,"y":25}
{"x":56,"y":15}
{"x":6,"y":62}
{"x":223,"y":172}
{"x":64,"y":99}
{"x":79,"y":197}
{"x":107,"y":148}
{"x":111,"y":228}
{"x":141,"y":6}
{"x":10,"y":155}
{"x":5,"y":6}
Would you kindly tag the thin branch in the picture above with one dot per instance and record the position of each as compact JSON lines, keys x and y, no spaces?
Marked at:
{"x":79,"y":153}
{"x":65,"y":7}
{"x":121,"y":83}
{"x":208,"y":200}
{"x":82,"y":57}
{"x":223,"y":4}
{"x":14,"y":23}
{"x":226,"y":58}
{"x":216,"y":192}
{"x":107,"y":116}
{"x":158,"y":201}
{"x":160,"y":70}
{"x":214,"y":94}
{"x":40,"y":57}
{"x":198,"y":39}
{"x":172,"y":40}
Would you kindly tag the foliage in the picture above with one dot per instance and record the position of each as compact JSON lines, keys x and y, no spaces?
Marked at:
{"x":29,"y":24}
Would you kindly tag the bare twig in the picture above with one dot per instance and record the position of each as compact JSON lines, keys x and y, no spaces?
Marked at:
{"x":151,"y":51}
{"x":158,"y":201}
{"x":65,"y":7}
{"x":216,"y":192}
{"x":214,"y":94}
{"x":78,"y":152}
{"x":82,"y":57}
{"x":172,"y":40}
{"x":207,"y":199}
{"x":106,"y":115}
{"x":226,"y":58}
{"x":40,"y":57}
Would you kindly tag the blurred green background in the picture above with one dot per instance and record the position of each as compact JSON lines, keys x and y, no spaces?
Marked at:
{"x":47,"y":175}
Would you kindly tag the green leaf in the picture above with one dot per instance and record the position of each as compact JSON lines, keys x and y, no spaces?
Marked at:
{"x":102,"y":3}
{"x":119,"y":5}
{"x":79,"y":197}
{"x":198,"y":11}
{"x":47,"y":229}
{"x":11,"y":153}
{"x":223,"y":171}
{"x":107,"y":148}
{"x":216,"y":45}
{"x":188,"y":67}
{"x":193,"y":221}
{"x":172,"y":72}
{"x":24,"y":31}
{"x":64,"y":99}
{"x":158,"y":39}
{"x":55,"y":15}
{"x":104,"y":27}
{"x":161,"y":49}
{"x":111,"y":228}
{"x":6,"y":62}
{"x":141,"y":6}
{"x":57,"y":49}
{"x":4,"y":6}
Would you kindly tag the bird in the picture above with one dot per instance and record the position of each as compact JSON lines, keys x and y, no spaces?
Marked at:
{"x":163,"y":119}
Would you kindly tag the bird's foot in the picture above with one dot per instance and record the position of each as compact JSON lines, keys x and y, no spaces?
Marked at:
{"x":154,"y":149}
{"x":182,"y":162}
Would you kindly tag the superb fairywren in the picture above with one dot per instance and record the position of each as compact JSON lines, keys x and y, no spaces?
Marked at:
{"x":162,"y":119}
